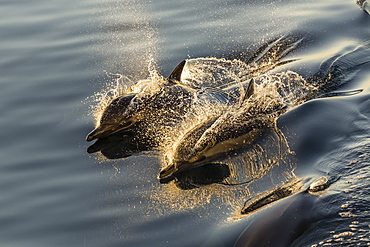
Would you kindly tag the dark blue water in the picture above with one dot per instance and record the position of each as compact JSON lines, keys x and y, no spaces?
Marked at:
{"x":56,"y":54}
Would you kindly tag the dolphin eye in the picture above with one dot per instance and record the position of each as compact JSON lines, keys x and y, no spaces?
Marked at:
{"x":167,"y":160}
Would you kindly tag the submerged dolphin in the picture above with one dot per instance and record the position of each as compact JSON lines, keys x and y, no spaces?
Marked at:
{"x":288,"y":204}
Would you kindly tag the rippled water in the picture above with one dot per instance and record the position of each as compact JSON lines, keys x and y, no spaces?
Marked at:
{"x":55,"y":55}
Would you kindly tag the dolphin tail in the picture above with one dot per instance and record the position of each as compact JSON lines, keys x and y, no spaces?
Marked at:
{"x":270,"y":55}
{"x":275,"y":50}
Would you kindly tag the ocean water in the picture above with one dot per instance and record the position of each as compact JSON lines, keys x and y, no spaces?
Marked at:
{"x":56,"y":55}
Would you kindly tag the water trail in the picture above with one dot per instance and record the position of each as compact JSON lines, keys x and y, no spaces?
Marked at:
{"x":364,"y":5}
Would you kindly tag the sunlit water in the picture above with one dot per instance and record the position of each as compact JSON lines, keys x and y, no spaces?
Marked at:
{"x":56,"y":55}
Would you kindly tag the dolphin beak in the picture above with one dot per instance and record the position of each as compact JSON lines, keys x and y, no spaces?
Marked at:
{"x":105,"y":130}
{"x":99,"y":132}
{"x":166,"y":174}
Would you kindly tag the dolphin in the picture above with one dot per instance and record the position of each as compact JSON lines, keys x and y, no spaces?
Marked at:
{"x":219,"y":136}
{"x":284,"y":204}
{"x":124,"y":111}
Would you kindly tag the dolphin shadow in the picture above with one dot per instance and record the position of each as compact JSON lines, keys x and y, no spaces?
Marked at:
{"x":119,"y":145}
{"x":200,"y":176}
{"x":124,"y":144}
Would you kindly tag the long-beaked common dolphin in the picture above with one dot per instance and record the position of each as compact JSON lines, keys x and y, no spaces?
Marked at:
{"x":126,"y":110}
{"x":220,"y":135}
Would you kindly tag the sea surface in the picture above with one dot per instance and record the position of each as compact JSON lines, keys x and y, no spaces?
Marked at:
{"x":56,"y":56}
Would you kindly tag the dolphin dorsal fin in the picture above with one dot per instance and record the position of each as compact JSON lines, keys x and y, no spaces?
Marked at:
{"x":250,"y":89}
{"x":248,"y":93}
{"x":176,"y":73}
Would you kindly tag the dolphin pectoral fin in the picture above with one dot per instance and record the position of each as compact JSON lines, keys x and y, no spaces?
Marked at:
{"x":98,"y":132}
{"x":176,"y":73}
